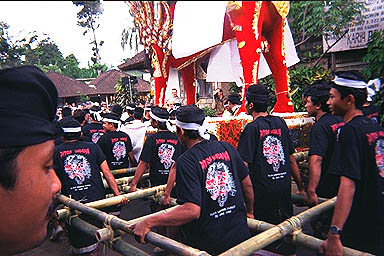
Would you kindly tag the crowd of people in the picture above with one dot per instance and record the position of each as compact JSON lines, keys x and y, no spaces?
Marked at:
{"x":44,"y":152}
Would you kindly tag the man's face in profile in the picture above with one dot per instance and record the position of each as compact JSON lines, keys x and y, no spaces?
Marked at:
{"x":30,"y":204}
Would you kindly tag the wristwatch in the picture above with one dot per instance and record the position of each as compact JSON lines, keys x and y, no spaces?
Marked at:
{"x":335,"y":230}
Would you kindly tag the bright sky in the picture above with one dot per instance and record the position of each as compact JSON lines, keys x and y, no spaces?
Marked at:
{"x":58,"y":20}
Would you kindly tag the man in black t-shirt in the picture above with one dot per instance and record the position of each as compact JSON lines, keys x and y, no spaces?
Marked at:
{"x":160,"y":151}
{"x":321,"y":150}
{"x":358,"y":215}
{"x":93,"y":131}
{"x":372,"y":111}
{"x":266,"y":148}
{"x":116,"y":145}
{"x":212,"y":183}
{"x":78,"y":165}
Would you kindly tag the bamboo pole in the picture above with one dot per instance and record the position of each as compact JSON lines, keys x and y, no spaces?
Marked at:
{"x":99,"y":204}
{"x":125,"y":180}
{"x":301,"y":156}
{"x":117,"y":223}
{"x":130,"y":196}
{"x":277,"y":232}
{"x":301,"y":239}
{"x":117,"y":244}
{"x":299,"y":199}
{"x":130,"y":171}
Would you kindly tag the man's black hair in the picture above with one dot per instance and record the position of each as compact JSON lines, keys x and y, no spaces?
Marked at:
{"x":79,"y":115}
{"x":319,"y":92}
{"x":72,"y":135}
{"x":162,"y":125}
{"x":8,"y":166}
{"x":192,"y":134}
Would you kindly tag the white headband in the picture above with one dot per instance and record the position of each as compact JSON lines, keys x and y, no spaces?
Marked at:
{"x":111,"y":120}
{"x":349,"y":83}
{"x":72,"y":129}
{"x":157,"y":118}
{"x":130,"y":108}
{"x":188,"y":126}
{"x":97,"y":114}
{"x":202,"y":129}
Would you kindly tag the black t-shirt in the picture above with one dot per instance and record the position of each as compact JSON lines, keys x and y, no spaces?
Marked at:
{"x":160,"y":149}
{"x":116,"y":147}
{"x":373,"y":112}
{"x":93,"y":131}
{"x":362,"y":145}
{"x":265,"y":144}
{"x":209,"y":175}
{"x":77,"y":165}
{"x":322,"y":143}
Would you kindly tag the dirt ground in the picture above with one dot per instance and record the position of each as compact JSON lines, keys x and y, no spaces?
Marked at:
{"x":133,"y":210}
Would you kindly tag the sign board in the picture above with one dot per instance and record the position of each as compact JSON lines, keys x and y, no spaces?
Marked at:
{"x":358,"y":35}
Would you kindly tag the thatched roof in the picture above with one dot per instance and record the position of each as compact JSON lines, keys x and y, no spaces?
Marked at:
{"x":142,"y":86}
{"x":105,"y":83}
{"x":136,"y":62}
{"x":69,"y":87}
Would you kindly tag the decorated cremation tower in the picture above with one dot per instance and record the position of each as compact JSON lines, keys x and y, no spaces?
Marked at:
{"x":251,"y":33}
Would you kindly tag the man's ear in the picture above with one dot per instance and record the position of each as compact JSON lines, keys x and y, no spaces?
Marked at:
{"x":350,"y":99}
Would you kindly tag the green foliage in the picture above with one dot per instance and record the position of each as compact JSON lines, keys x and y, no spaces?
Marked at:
{"x":375,"y":68}
{"x":11,"y":51}
{"x":378,"y":100}
{"x":300,"y":77}
{"x":87,"y":18}
{"x":130,"y":37}
{"x":234,"y":88}
{"x":93,"y":70}
{"x":209,"y":112}
{"x":312,"y":19}
{"x":83,"y":98}
{"x":123,"y":92}
{"x":375,"y":56}
{"x":46,"y":53}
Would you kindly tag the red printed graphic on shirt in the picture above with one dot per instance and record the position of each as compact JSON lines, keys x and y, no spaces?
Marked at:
{"x":119,"y":151}
{"x":219,"y":182}
{"x":273,"y":151}
{"x":379,"y":150}
{"x":77,"y":167}
{"x":96,"y":136}
{"x":165,"y":153}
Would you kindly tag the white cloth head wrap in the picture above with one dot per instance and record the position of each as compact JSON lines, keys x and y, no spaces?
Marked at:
{"x":349,"y":83}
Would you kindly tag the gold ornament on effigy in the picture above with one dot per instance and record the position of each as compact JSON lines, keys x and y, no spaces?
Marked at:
{"x":241,"y":44}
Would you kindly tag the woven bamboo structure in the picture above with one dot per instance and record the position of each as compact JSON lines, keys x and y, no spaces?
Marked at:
{"x":277,"y":232}
{"x":290,"y":228}
{"x":117,"y":223}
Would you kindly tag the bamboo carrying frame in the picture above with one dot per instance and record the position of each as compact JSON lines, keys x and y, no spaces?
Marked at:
{"x":115,"y":227}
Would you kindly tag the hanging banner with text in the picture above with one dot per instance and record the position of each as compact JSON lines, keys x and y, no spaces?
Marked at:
{"x":358,"y":35}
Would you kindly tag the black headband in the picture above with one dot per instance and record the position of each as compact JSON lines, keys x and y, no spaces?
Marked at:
{"x":28,"y":101}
